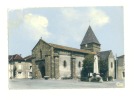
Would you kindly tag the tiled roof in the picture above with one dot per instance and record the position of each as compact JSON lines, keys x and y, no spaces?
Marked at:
{"x":15,"y":57}
{"x":27,"y":58}
{"x":104,"y":54}
{"x":71,"y":49}
{"x":89,"y":37}
{"x":120,"y":56}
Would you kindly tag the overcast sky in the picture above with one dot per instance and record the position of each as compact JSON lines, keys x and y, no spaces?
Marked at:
{"x":64,"y":26}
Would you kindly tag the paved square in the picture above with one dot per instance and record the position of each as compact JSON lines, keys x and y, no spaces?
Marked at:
{"x":61,"y":84}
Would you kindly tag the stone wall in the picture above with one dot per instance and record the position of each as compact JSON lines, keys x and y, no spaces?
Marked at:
{"x":64,"y":71}
{"x":23,"y":69}
{"x":10,"y":70}
{"x":121,"y":71}
{"x":48,"y":66}
{"x":91,"y":46}
{"x":79,"y":64}
{"x":120,"y":68}
{"x":42,"y":51}
{"x":56,"y":67}
{"x":111,"y":65}
{"x":96,"y":48}
{"x":73,"y":67}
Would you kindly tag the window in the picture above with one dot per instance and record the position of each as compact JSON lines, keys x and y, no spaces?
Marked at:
{"x":79,"y":64}
{"x":64,"y":63}
{"x":111,"y":64}
{"x":30,"y":67}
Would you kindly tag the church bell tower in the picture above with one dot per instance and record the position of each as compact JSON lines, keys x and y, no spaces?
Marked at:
{"x":90,"y":42}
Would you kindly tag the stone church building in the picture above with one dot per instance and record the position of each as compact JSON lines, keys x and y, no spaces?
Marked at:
{"x":57,"y":61}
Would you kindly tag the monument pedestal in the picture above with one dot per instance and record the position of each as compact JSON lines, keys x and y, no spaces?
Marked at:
{"x":96,"y":69}
{"x":96,"y":75}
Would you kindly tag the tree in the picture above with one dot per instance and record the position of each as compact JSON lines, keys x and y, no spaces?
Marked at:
{"x":88,"y":64}
{"x":103,"y":66}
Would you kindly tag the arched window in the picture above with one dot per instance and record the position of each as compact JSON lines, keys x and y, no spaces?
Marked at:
{"x":79,"y":64}
{"x":111,"y":64}
{"x":64,"y":63}
{"x":30,"y":67}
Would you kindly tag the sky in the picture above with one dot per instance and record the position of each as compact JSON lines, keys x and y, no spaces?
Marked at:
{"x":65,"y":26}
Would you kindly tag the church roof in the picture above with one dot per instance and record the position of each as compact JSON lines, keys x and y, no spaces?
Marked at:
{"x":104,"y":54}
{"x":70,"y":49}
{"x":89,"y":37}
{"x":40,"y":40}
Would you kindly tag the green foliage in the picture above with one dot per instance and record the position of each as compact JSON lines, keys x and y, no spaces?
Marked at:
{"x":104,"y":78}
{"x":103,"y":67}
{"x":87,"y":67}
{"x":88,"y":63}
{"x":84,"y":72}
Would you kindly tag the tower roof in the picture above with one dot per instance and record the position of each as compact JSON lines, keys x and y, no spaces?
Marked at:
{"x":89,"y":37}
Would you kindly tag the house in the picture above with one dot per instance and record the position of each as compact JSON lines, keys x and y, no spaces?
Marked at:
{"x":107,"y":64}
{"x":120,"y":67}
{"x":20,"y":67}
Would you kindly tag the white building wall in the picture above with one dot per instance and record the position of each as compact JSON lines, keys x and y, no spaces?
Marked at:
{"x":79,"y":68}
{"x":22,"y":70}
{"x":121,"y":69}
{"x":64,"y":71}
{"x":19,"y":70}
{"x":10,"y":70}
{"x":111,"y":67}
{"x":28,"y":70}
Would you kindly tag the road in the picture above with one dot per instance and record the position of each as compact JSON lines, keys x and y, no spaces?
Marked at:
{"x":61,"y":84}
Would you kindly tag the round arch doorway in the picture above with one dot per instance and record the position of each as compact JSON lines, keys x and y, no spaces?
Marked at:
{"x":42,"y":68}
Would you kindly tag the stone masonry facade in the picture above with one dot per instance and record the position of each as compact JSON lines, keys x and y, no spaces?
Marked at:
{"x":56,"y":63}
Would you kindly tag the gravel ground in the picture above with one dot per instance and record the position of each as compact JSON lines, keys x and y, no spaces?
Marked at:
{"x":61,"y":84}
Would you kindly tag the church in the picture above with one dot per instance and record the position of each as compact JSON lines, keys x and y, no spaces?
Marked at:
{"x":57,"y":61}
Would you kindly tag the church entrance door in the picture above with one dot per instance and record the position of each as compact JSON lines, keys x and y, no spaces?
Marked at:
{"x":41,"y":66}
